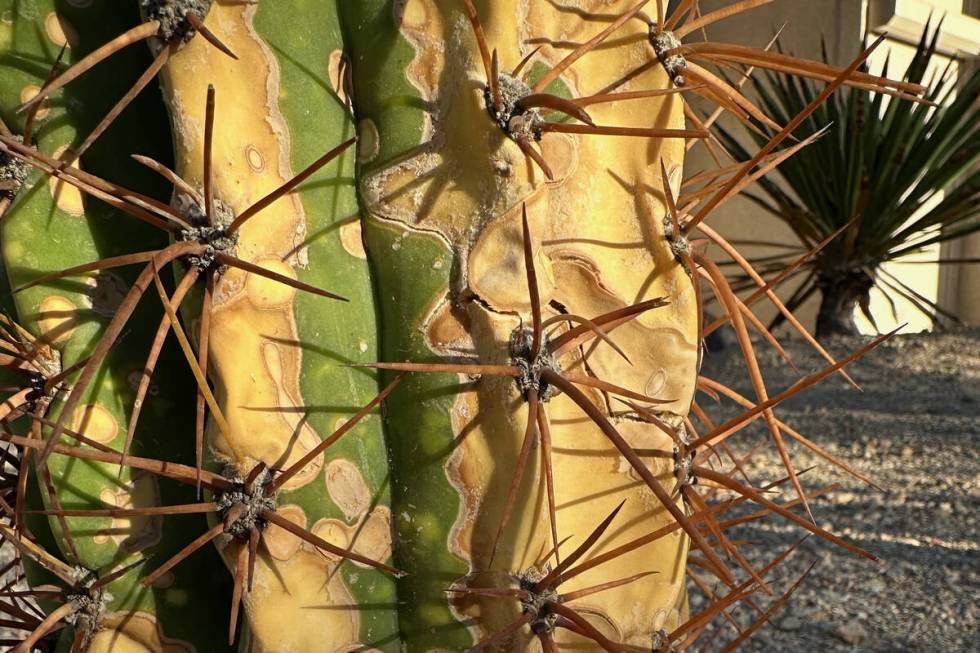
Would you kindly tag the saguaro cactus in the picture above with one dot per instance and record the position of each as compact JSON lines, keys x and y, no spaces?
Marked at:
{"x":503,"y":261}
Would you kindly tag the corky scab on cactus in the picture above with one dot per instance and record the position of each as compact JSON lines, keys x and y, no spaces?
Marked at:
{"x":251,"y":506}
{"x":513,"y":245}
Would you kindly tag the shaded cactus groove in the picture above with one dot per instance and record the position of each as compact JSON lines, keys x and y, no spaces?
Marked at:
{"x":435,"y":281}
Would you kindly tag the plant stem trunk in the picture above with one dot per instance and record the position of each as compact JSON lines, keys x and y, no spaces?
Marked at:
{"x":839,"y":299}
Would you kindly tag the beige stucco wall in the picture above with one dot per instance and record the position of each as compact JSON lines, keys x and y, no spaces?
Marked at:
{"x":840,"y":21}
{"x":967,"y":295}
{"x":960,"y":285}
{"x":968,"y":286}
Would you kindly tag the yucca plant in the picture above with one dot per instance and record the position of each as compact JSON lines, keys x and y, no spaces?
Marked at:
{"x":894,"y":177}
{"x":503,"y":243}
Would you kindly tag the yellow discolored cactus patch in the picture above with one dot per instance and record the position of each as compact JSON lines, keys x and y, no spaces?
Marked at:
{"x":333,"y":531}
{"x":369,"y":141}
{"x":132,"y":534}
{"x":28,"y":93}
{"x":266,"y":294}
{"x":347,"y":488}
{"x":95,"y":422}
{"x":59,"y":30}
{"x":299,"y":600}
{"x":291,"y":606}
{"x":57,"y":317}
{"x":135,"y":632}
{"x":352,"y":240}
{"x":598,"y":237}
{"x":335,"y":73}
{"x":67,"y":197}
{"x":372,"y":536}
{"x":280,"y":544}
{"x":253,"y":316}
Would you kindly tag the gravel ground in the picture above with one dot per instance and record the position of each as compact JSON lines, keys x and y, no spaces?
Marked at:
{"x":915,"y":430}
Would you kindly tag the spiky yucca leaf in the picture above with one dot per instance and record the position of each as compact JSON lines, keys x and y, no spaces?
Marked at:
{"x":879,"y":173}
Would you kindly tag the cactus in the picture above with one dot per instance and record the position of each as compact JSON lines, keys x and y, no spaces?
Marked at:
{"x":506,"y":265}
{"x":49,"y":226}
{"x":273,"y":351}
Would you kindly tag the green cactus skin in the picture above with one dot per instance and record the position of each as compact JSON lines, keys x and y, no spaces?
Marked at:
{"x":344,"y":497}
{"x":424,"y":502}
{"x":40,"y":235}
{"x":418,"y":430}
{"x":419,"y":433}
{"x":348,"y":330}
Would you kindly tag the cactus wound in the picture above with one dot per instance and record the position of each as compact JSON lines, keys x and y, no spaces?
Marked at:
{"x":214,"y":238}
{"x":172,"y":16}
{"x":663,"y":43}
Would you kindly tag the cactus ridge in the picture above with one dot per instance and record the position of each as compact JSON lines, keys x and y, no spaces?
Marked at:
{"x":694,"y":484}
{"x":206,"y":245}
{"x":174,"y":22}
{"x":205,"y":241}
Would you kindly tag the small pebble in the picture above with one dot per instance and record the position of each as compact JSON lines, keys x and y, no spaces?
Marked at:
{"x":852,"y":632}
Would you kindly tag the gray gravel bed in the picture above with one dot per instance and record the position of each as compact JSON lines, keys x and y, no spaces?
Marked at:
{"x":915,"y":429}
